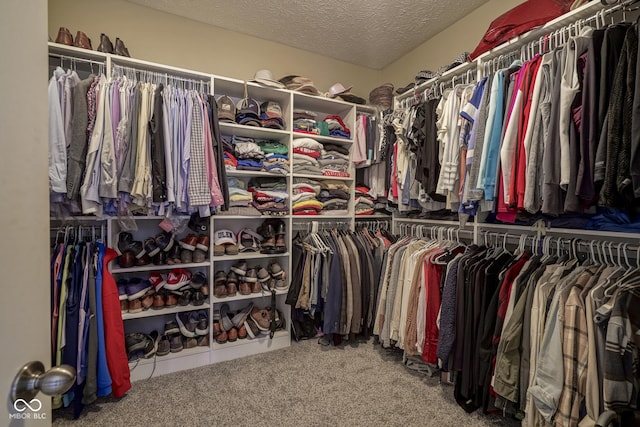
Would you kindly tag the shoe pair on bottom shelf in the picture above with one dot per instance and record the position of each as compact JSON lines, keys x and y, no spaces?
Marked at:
{"x":188,"y":330}
{"x":250,"y":322}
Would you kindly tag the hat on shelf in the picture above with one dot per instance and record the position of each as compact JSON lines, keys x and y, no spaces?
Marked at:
{"x":272,"y":115}
{"x":248,"y":112}
{"x":406,"y":88}
{"x":265,"y":77}
{"x":460,"y":59}
{"x":338,"y":89}
{"x":300,"y":84}
{"x":424,"y":76}
{"x":382,"y":95}
{"x":354,"y":99}
{"x":226,"y":109}
{"x":224,"y":237}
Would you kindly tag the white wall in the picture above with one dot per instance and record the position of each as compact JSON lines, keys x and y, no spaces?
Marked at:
{"x":157,"y":36}
{"x":24,"y":245}
{"x":442,"y":48}
{"x":161,"y":37}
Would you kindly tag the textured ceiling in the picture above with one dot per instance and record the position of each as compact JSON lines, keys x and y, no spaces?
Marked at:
{"x":371,"y":33}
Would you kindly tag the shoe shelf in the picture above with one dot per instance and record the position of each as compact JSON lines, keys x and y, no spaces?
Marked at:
{"x":248,"y":256}
{"x":173,"y":310}
{"x":254,"y":132}
{"x":239,"y":297}
{"x":235,"y":172}
{"x":153,"y":267}
{"x":246,"y":341}
{"x":157,"y":359}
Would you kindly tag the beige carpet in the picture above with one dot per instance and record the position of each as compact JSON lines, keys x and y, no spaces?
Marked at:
{"x":304,"y":385}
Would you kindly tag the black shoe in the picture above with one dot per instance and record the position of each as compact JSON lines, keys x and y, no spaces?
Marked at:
{"x":124,"y":239}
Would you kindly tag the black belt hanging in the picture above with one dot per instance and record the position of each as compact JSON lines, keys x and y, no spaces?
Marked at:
{"x":272,"y":326}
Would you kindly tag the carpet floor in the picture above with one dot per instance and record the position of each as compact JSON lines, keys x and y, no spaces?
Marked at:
{"x":356,"y":384}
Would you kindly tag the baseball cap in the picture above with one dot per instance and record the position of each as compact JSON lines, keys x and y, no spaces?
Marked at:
{"x":337,"y":89}
{"x":224,"y":237}
{"x":226,"y":109}
{"x":271,"y":109}
{"x":265,"y":77}
{"x":248,"y":240}
{"x":248,"y":106}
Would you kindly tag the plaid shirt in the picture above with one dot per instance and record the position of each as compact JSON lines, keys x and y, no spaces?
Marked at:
{"x":198,"y":185}
{"x":574,"y":352}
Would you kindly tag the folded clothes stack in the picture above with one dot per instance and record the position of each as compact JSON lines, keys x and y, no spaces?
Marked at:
{"x":276,"y":157}
{"x":238,"y":195}
{"x":270,"y":195}
{"x":335,"y":197}
{"x":305,"y":197}
{"x":248,"y":153}
{"x":336,"y":127}
{"x":305,"y":121}
{"x":365,"y":203}
{"x":306,"y":152}
{"x":334,"y":161}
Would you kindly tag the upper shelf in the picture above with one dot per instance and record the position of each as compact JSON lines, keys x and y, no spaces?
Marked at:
{"x":235,"y":89}
{"x":302,"y":101}
{"x":76,"y":52}
{"x":254,"y":132}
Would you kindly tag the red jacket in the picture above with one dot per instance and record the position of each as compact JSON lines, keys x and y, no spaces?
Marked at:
{"x":114,"y":330}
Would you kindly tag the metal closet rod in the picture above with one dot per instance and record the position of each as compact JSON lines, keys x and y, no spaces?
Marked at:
{"x":441,"y":82}
{"x":74,"y":59}
{"x":166,"y":77}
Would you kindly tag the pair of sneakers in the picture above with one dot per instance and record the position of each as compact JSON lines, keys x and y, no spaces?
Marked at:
{"x":273,"y":239}
{"x":258,"y":322}
{"x":228,"y":328}
{"x":141,"y":346}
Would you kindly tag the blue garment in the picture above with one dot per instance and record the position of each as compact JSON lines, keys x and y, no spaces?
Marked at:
{"x":613,"y":220}
{"x":104,"y":378}
{"x":493,"y":153}
{"x":340,"y":134}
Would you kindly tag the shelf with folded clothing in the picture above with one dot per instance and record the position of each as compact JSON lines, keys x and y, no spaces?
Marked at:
{"x":234,"y":129}
{"x":164,"y":311}
{"x":323,"y":138}
{"x":373,"y":216}
{"x":240,"y":172}
{"x":321,"y":217}
{"x":238,"y":297}
{"x":221,"y":216}
{"x":312,"y":176}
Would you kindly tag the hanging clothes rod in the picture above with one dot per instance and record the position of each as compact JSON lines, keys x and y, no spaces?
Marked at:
{"x":121,"y":70}
{"x":74,"y":59}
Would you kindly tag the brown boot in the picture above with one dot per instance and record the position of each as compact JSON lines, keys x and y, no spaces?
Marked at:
{"x":82,"y":41}
{"x":64,"y":37}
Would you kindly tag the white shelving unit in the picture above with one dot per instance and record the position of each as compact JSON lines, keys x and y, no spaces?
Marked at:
{"x":150,"y":320}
